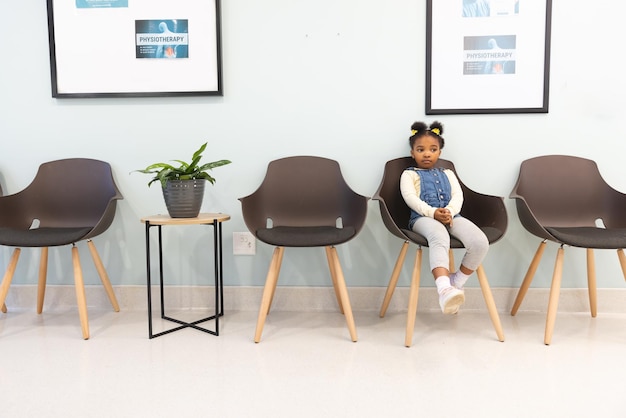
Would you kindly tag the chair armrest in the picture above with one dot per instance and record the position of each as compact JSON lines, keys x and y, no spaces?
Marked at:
{"x":388,"y":220}
{"x":356,"y":212}
{"x":484,"y":210}
{"x":13,"y":213}
{"x":615,"y":216}
{"x":529,"y":220}
{"x":106,"y":219}
{"x":253,"y":215}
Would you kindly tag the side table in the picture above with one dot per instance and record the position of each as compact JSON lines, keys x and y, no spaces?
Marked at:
{"x":211,"y":219}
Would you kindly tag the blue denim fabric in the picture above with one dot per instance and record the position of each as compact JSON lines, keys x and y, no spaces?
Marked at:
{"x":435,"y":189}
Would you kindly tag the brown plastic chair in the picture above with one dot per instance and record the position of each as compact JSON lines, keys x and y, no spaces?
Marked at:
{"x":562,"y":199}
{"x":487,"y":212}
{"x":304,"y":201}
{"x":68,"y":201}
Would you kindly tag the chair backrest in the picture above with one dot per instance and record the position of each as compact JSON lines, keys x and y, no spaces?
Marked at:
{"x":565,"y":191}
{"x":488,"y":212}
{"x":75,"y":192}
{"x":304,"y":191}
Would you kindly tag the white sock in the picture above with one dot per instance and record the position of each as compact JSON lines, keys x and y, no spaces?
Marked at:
{"x":458,"y":279}
{"x":442,"y":282}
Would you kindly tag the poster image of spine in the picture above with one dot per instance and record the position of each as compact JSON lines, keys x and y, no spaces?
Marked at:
{"x":166,"y":38}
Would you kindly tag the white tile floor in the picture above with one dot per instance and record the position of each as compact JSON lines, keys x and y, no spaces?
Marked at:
{"x":306,"y":366}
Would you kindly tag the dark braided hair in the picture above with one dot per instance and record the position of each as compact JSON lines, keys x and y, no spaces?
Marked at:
{"x":420,"y":129}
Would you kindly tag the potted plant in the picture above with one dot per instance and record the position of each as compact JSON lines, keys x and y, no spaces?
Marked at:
{"x":183,"y":186}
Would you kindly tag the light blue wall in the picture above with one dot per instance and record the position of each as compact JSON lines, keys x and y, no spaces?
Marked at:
{"x":342,"y":79}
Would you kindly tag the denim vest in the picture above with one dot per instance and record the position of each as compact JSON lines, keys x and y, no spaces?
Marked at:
{"x":435,"y":190}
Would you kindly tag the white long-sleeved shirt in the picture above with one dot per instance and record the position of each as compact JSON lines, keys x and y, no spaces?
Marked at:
{"x":410,"y":189}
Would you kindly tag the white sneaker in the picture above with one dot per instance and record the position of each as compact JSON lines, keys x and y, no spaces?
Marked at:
{"x":450,"y":299}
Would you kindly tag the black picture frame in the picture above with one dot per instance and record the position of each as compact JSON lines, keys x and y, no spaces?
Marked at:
{"x":136,"y":48}
{"x":488,"y":56}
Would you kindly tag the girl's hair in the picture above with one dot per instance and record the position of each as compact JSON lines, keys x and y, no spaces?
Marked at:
{"x":420,"y":129}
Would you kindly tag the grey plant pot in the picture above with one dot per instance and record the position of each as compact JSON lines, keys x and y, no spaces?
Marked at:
{"x":183,"y":198}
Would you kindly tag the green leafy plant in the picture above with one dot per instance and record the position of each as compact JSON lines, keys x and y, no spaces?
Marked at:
{"x":164,"y":172}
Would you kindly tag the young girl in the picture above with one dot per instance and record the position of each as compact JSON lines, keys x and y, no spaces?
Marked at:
{"x":435,"y":198}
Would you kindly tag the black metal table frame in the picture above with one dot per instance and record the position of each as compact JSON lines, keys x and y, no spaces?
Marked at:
{"x":219,"y":288}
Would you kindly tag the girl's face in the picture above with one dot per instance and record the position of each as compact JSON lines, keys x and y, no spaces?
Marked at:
{"x":426,"y":151}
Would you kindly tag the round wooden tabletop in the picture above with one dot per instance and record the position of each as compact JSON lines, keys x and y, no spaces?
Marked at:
{"x":202,"y":218}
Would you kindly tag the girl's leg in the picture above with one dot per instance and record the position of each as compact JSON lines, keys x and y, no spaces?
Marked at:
{"x":438,"y":244}
{"x":476,"y":246}
{"x":450,"y":298}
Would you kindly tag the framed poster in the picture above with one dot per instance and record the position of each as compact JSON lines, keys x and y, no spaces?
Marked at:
{"x":487,"y":56}
{"x":135,"y":48}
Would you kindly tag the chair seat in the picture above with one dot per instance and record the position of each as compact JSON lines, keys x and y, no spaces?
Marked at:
{"x":303,"y":236}
{"x":590,"y":237}
{"x":493,"y":235}
{"x":42,"y":237}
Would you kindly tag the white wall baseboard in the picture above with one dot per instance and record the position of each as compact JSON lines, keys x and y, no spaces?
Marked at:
{"x":287,"y":298}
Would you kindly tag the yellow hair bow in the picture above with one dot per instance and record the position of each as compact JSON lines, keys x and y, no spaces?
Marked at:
{"x":437,"y":131}
{"x":413,"y":132}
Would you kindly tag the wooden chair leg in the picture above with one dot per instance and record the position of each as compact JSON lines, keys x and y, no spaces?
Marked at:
{"x":530,"y":274}
{"x":413,"y":296}
{"x":491,"y":304}
{"x":622,"y":261}
{"x":8,"y":276}
{"x":333,"y":276}
{"x":80,"y":293}
{"x":43,"y":272}
{"x":555,"y":288}
{"x":451,"y":261}
{"x":279,"y":263}
{"x":393,"y":281}
{"x":268,"y":291}
{"x":343,"y":293}
{"x":104,"y":277}
{"x":591,"y":283}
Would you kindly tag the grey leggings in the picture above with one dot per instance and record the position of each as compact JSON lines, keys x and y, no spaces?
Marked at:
{"x":438,"y":236}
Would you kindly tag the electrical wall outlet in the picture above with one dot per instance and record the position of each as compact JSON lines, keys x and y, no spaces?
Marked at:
{"x":244,"y":243}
